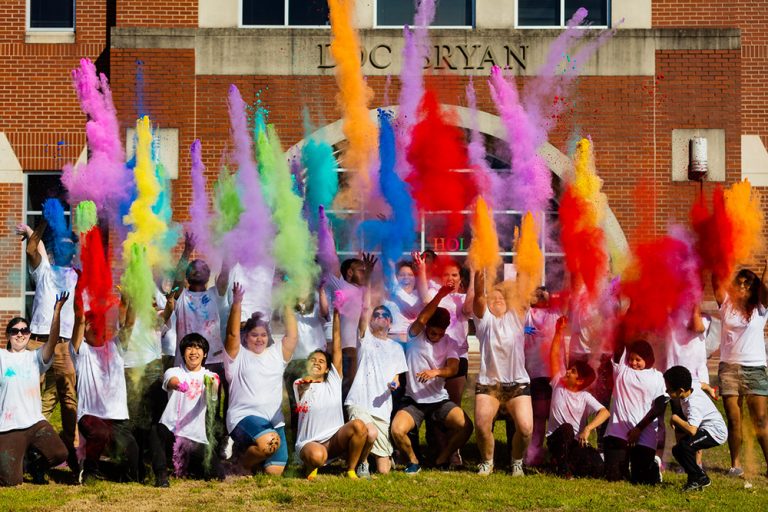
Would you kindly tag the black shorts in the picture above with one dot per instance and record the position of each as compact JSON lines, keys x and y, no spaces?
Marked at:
{"x":437,"y":411}
{"x":463,"y":369}
{"x":541,"y":389}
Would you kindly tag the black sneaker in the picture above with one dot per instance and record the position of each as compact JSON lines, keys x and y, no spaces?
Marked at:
{"x":697,"y":485}
{"x":162,"y":481}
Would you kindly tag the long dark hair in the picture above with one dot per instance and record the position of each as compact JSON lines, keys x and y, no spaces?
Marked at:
{"x":753,"y":285}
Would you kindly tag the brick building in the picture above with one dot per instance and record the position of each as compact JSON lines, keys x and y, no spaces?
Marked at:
{"x":674,"y":69}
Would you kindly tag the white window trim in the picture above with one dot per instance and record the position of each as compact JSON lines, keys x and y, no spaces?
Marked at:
{"x":51,"y":30}
{"x":562,"y":19}
{"x":285,"y":20}
{"x":436,"y":27}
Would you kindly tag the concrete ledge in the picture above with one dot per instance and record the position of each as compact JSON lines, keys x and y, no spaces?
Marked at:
{"x":49,"y":37}
{"x":10,"y":167}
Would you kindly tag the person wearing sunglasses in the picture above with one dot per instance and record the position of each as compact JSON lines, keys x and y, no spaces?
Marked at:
{"x":22,"y":424}
{"x":380,"y":363}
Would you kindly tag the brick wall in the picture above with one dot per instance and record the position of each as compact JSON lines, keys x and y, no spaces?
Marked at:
{"x":157,"y":13}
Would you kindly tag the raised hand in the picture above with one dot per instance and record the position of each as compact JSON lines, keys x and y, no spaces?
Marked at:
{"x":369,"y":261}
{"x":445,"y":290}
{"x":189,"y":242}
{"x":238,"y":292}
{"x":61,"y":298}
{"x":418,"y":261}
{"x":23,"y":230}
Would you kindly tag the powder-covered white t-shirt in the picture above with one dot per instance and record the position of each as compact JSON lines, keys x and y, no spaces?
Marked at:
{"x":311,"y":334}
{"x":378,"y":362}
{"x":459,"y":328}
{"x":689,"y":349}
{"x":502,"y":351}
{"x":633,"y":394}
{"x":168,"y":339}
{"x":185,"y":413}
{"x":584,"y":324}
{"x":421,"y":355}
{"x":202,"y":312}
{"x":144,"y":346}
{"x":49,"y":281}
{"x":349,"y":313}
{"x":258,"y":283}
{"x":741,"y":340}
{"x":101,"y":390}
{"x":570,"y":407}
{"x":405,"y":307}
{"x":256,"y":385}
{"x":320,"y":411}
{"x":542,"y":322}
{"x":702,"y":413}
{"x":20,"y":402}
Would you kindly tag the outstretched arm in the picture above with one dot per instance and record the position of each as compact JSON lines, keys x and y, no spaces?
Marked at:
{"x":719,"y":289}
{"x":657,"y":409}
{"x":126,"y":327}
{"x":222,"y":281}
{"x":479,"y":301}
{"x":369,"y":260}
{"x":325,"y":310}
{"x":336,"y":355}
{"x":556,"y":350}
{"x":418,"y":326}
{"x":420,"y":269}
{"x":469,"y":299}
{"x":291,"y":337}
{"x":53,"y":336}
{"x":327,"y":256}
{"x":35,"y":248}
{"x":232,"y":345}
{"x":181,"y":266}
{"x":763,"y":295}
{"x":600,"y":418}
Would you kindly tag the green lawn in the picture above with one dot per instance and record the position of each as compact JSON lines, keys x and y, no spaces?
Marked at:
{"x":430,"y":490}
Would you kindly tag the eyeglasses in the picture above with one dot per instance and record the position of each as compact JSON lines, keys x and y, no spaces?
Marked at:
{"x":382,"y":314}
{"x":15,"y":331}
{"x":741,"y":284}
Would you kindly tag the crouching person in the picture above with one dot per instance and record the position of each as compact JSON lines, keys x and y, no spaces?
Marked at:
{"x":431,"y":359}
{"x":183,"y":435}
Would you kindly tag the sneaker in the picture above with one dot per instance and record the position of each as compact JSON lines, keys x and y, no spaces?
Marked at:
{"x":485,"y":468}
{"x":735,"y":472}
{"x":88,"y":477}
{"x":227,"y":447}
{"x":660,"y":465}
{"x":412,"y":469}
{"x":517,"y":468}
{"x":352,"y":475}
{"x":363,"y":471}
{"x":697,"y":485}
{"x":455,"y":460}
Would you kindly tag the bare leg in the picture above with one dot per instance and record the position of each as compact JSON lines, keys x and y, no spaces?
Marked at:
{"x":274,"y":470}
{"x":262,"y":447}
{"x":521,"y":411}
{"x":486,"y":407}
{"x":383,"y":465}
{"x":732,"y":405}
{"x":372,"y":434}
{"x":401,"y":425}
{"x":313,"y":455}
{"x":349,"y":440}
{"x":455,"y":389}
{"x":758,"y":411}
{"x":460,"y":429}
{"x":540,"y":417}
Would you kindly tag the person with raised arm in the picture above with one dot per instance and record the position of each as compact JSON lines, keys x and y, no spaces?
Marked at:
{"x":22,"y":424}
{"x":255,"y":364}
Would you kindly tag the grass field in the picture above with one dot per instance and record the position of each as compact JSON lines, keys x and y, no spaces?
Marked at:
{"x":430,"y":490}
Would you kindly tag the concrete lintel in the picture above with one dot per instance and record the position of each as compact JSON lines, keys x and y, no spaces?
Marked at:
{"x":10,"y":167}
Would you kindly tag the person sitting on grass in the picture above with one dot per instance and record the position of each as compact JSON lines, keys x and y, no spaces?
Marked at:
{"x":431,"y":359}
{"x":255,"y":365}
{"x":183,"y":432}
{"x":568,"y":428}
{"x":322,"y":433}
{"x":22,"y":424}
{"x":702,"y":425}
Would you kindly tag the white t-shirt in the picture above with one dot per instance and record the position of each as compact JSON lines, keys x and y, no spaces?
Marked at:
{"x":459,"y":328}
{"x":258,"y":283}
{"x":20,"y":403}
{"x":741,"y":341}
{"x":353,"y":308}
{"x":311,"y":335}
{"x":689,"y":349}
{"x":201,"y":312}
{"x":502,"y":352}
{"x":538,"y":344}
{"x":144,"y":346}
{"x":584,"y":324}
{"x":378,"y":362}
{"x":405,"y":307}
{"x":51,"y":280}
{"x":101,"y":390}
{"x":570,"y":407}
{"x":320,"y":411}
{"x":168,"y":340}
{"x":702,"y":413}
{"x":633,"y":394}
{"x":185,"y":413}
{"x":256,"y":385}
{"x":421,"y":354}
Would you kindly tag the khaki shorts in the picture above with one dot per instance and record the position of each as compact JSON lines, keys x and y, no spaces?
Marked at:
{"x":382,"y":446}
{"x":738,"y":380}
{"x":503,"y":392}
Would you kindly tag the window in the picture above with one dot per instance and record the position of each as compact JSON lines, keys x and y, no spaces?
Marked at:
{"x":556,"y":13}
{"x":280,"y":13}
{"x":40,"y":186}
{"x":51,"y":14}
{"x":450,"y":13}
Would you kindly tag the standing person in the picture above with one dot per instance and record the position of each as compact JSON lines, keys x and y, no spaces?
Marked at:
{"x":540,"y":320}
{"x":323,"y":435}
{"x":102,"y":408}
{"x":404,"y":303}
{"x":255,"y":364}
{"x":431,"y":359}
{"x":742,"y":371}
{"x":50,"y":279}
{"x":701,"y":425}
{"x":503,"y":380}
{"x":22,"y":424}
{"x":182,"y":433}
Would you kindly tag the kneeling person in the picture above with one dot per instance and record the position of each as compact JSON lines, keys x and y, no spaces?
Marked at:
{"x":431,"y":359}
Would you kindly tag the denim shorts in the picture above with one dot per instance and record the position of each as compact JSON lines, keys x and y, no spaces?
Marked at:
{"x":736,"y":380}
{"x":252,"y":427}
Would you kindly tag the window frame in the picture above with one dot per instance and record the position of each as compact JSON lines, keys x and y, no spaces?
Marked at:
{"x":285,"y":24}
{"x":562,"y":19}
{"x":437,"y":27}
{"x":30,"y":28}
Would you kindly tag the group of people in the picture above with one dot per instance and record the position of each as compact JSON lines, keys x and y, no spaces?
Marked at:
{"x":200,"y":392}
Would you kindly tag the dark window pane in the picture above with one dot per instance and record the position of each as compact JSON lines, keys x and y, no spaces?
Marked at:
{"x":263,"y":12}
{"x":538,"y":13}
{"x":597,"y":11}
{"x":43,"y":186}
{"x":52,"y":14}
{"x":308,"y":12}
{"x":401,"y":12}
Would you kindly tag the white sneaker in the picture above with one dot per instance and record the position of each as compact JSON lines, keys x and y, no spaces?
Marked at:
{"x":485,"y":468}
{"x":517,"y":468}
{"x":658,"y":462}
{"x":227,"y":448}
{"x":363,"y":471}
{"x":735,"y":472}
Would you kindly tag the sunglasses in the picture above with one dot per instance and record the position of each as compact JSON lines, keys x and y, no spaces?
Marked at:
{"x":14,"y":331}
{"x":382,"y":314}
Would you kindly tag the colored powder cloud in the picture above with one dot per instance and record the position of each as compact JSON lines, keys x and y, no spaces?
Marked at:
{"x":322,"y":183}
{"x":60,"y":242}
{"x":96,"y":281}
{"x":200,"y":218}
{"x":529,"y":261}
{"x":486,"y":180}
{"x":484,"y":249}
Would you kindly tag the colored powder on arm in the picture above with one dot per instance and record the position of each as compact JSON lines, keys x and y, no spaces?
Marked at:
{"x":484,"y":249}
